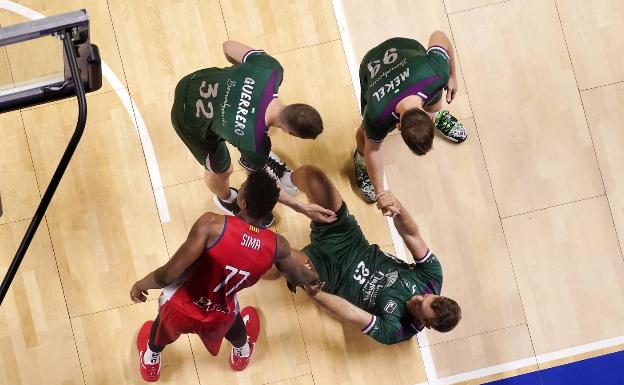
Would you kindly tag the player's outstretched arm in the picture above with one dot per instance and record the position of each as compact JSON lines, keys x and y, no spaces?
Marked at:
{"x":234,"y":51}
{"x":205,"y":230}
{"x":295,"y":272}
{"x":375,"y":168}
{"x":313,"y":211}
{"x":341,"y":309}
{"x":406,"y":227}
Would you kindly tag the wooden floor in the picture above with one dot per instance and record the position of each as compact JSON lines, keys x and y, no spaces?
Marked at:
{"x":527,"y":216}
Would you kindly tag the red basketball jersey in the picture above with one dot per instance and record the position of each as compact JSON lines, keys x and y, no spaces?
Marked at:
{"x":207,"y":290}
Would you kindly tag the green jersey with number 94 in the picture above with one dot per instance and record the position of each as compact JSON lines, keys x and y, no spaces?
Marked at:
{"x":393,"y":70}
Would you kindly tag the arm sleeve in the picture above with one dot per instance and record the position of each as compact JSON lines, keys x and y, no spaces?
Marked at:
{"x":386,"y":329}
{"x":258,"y":57}
{"x":439,"y":61}
{"x":373,"y":132}
{"x":429,"y":272}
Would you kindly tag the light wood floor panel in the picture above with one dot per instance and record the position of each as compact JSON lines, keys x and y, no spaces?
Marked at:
{"x":569,"y":267}
{"x":280,"y":353}
{"x":453,"y":6}
{"x":481,"y":351}
{"x":34,"y":327}
{"x":449,"y":195}
{"x":593,"y":31}
{"x":103,"y":221}
{"x":604,"y":107}
{"x":415,"y":19}
{"x":18,"y":185}
{"x":340,"y":354}
{"x":327,"y":87}
{"x":303,"y":380}
{"x":280,"y":25}
{"x":44,"y":56}
{"x":6,"y":79}
{"x":107,"y":346}
{"x":526,"y":105}
{"x":156,"y":55}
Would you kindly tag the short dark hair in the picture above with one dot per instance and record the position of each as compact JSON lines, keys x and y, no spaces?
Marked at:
{"x":417,"y":130}
{"x":302,"y":120}
{"x":448,"y":314}
{"x":261,"y":194}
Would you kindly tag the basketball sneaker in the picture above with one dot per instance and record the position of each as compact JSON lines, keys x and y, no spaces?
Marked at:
{"x":450,"y":127}
{"x":149,"y":372}
{"x":363,"y":180}
{"x":230,"y":208}
{"x":278,"y":170}
{"x":239,"y":362}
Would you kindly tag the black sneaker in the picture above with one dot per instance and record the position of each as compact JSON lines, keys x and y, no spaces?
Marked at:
{"x":363,"y":180}
{"x":450,"y":127}
{"x":278,"y":170}
{"x":230,"y":208}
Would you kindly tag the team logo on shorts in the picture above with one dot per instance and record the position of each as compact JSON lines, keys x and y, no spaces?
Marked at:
{"x":390,"y":307}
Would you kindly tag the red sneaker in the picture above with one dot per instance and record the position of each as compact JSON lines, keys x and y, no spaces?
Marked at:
{"x":150,"y":372}
{"x":252,"y":322}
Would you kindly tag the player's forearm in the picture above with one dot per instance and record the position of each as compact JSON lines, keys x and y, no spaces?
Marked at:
{"x":374,"y":166}
{"x":342,"y":309}
{"x":290,"y":201}
{"x":302,"y":276}
{"x":153,"y":280}
{"x":405,"y":224}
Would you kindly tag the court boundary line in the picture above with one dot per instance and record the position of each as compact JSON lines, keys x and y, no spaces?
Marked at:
{"x":131,"y":108}
{"x":397,"y":242}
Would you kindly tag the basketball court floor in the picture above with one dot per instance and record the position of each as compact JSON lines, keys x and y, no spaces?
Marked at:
{"x":526,"y":216}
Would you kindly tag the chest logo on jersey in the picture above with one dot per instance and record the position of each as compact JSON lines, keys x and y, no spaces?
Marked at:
{"x":391,"y":85}
{"x":243,"y":106}
{"x":206,"y":305}
{"x":390,"y":307}
{"x":250,"y":242}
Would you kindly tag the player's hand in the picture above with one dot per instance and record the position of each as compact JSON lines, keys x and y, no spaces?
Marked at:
{"x":318,"y":213}
{"x":313,"y":290}
{"x":388,"y":204}
{"x":137,"y":294}
{"x":451,"y":89}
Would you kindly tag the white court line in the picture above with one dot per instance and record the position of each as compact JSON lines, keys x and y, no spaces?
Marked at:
{"x":133,"y":112}
{"x":397,"y":241}
{"x":523,"y":363}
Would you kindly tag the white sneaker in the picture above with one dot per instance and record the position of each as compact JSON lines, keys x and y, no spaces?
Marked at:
{"x":278,"y":170}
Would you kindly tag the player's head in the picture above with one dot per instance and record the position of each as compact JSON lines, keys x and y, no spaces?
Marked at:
{"x":258,"y":195}
{"x":439,"y":313}
{"x":302,"y":121}
{"x":417,"y":130}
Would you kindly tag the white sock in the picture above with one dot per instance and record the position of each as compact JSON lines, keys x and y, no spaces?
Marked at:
{"x":244,"y":351}
{"x":359,"y":158}
{"x":233,"y":196}
{"x":150,"y":357}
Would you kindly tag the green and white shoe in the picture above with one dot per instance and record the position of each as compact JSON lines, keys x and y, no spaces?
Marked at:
{"x":363,"y":180}
{"x":450,"y":127}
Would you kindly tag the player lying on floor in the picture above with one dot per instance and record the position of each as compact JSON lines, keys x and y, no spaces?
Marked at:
{"x":386,"y":298}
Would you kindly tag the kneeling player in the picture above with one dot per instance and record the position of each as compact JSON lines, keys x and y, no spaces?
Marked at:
{"x":221,"y":256}
{"x":388,"y":299}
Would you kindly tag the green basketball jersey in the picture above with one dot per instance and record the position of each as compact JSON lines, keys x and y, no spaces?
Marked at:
{"x":231,"y":103}
{"x":393,"y":70}
{"x":380,"y":283}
